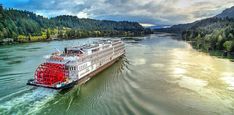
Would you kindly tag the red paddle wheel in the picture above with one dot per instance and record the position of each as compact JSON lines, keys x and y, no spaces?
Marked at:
{"x":50,"y":73}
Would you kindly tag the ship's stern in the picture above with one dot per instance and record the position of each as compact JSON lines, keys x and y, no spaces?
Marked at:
{"x":51,"y":75}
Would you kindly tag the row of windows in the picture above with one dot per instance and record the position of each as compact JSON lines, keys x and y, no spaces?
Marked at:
{"x":104,"y":60}
{"x":119,"y":45}
{"x":97,"y":54}
{"x":119,"y":48}
{"x":83,"y":66}
{"x":94,"y":61}
{"x":106,"y":46}
{"x":85,"y":72}
{"x":96,"y":58}
{"x":116,"y":43}
{"x":72,"y":68}
{"x":106,"y":50}
{"x":106,"y":55}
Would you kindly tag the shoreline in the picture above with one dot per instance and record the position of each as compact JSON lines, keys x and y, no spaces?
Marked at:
{"x":60,"y":39}
{"x":217,"y":53}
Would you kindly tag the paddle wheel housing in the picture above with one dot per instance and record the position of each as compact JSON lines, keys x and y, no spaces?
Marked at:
{"x":50,"y":74}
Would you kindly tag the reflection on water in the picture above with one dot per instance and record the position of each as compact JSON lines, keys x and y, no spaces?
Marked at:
{"x":192,"y":83}
{"x":138,"y":61}
{"x":157,"y":65}
{"x":158,"y":75}
{"x":229,"y":80}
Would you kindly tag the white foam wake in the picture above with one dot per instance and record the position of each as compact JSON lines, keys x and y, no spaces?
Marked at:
{"x":30,"y":102}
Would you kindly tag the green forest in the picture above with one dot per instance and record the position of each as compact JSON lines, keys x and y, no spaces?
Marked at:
{"x":25,"y":26}
{"x":214,"y":35}
{"x":211,"y":34}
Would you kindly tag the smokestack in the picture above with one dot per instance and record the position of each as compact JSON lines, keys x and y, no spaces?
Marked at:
{"x":65,"y":50}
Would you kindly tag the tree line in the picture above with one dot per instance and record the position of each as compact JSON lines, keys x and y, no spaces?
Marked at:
{"x":212,"y":34}
{"x":24,"y":26}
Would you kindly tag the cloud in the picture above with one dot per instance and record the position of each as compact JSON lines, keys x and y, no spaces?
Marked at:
{"x":157,"y":12}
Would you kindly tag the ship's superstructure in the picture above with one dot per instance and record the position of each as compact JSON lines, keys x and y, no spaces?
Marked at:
{"x":75,"y":64}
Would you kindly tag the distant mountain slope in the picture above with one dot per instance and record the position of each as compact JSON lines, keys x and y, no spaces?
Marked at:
{"x":227,"y":13}
{"x":175,"y":28}
{"x":18,"y":24}
{"x":211,"y":34}
{"x":159,"y":27}
{"x":91,"y":24}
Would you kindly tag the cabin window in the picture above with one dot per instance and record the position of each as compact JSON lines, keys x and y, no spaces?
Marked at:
{"x":73,"y":68}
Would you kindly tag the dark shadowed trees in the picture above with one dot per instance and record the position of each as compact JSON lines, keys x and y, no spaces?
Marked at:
{"x":21,"y":24}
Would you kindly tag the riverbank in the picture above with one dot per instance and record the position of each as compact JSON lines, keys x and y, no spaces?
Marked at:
{"x":201,"y":47}
{"x":218,"y":53}
{"x":31,"y":39}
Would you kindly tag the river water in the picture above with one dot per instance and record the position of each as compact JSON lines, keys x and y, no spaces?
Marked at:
{"x":158,"y":76}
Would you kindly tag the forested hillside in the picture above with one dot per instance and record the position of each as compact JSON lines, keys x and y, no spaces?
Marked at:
{"x":24,"y":26}
{"x":227,"y":13}
{"x":211,"y":34}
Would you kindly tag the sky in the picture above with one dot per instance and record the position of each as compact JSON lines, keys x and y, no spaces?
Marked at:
{"x":146,"y":12}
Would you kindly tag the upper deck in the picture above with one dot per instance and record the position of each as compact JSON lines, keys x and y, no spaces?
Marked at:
{"x":78,"y":52}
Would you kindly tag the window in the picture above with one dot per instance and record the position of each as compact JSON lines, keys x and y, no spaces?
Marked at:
{"x":72,"y":68}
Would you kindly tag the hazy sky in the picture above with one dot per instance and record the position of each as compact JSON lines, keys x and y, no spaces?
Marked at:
{"x":157,"y":12}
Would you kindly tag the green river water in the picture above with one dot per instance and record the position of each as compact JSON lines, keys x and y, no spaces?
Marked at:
{"x":157,"y":76}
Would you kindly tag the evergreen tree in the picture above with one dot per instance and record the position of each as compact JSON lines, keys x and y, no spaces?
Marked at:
{"x":1,"y":8}
{"x":47,"y":34}
{"x":15,"y":23}
{"x":229,"y":46}
{"x":1,"y":13}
